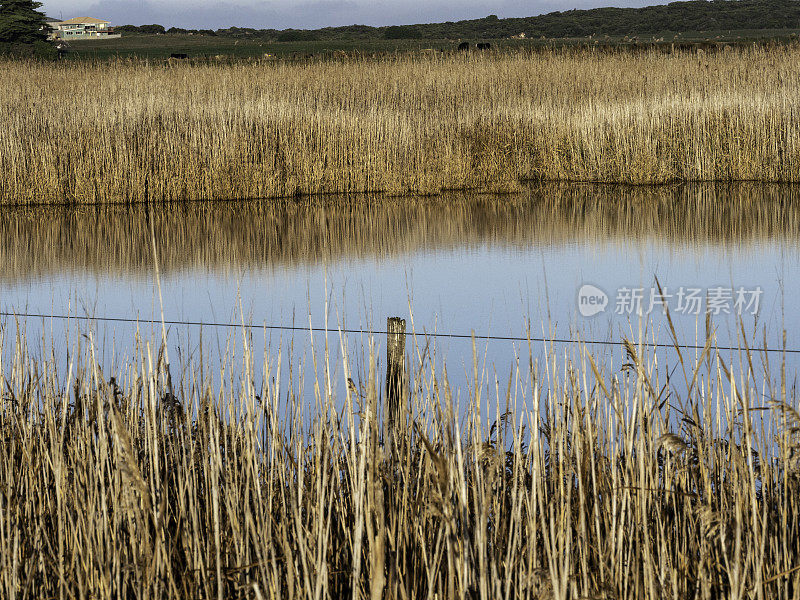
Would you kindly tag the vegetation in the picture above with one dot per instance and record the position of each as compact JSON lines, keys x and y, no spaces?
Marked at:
{"x":146,"y":29}
{"x":210,"y":46}
{"x":572,"y":478}
{"x":694,"y":15}
{"x":409,"y":123}
{"x":294,"y":35}
{"x":21,"y":23}
{"x":298,"y":44}
{"x":23,"y":30}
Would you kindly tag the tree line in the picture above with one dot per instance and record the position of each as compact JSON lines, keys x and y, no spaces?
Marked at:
{"x":23,"y":28}
{"x":691,"y":15}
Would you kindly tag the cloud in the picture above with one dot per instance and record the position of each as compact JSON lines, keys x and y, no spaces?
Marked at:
{"x":282,"y":14}
{"x":191,"y":15}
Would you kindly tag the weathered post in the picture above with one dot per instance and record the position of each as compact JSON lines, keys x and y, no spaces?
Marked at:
{"x":395,"y":367}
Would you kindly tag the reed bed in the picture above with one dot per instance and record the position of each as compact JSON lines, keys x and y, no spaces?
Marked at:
{"x":573,"y":477}
{"x":136,"y":131}
{"x":42,"y":240}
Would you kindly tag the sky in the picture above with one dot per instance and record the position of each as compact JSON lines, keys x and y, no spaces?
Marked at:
{"x":306,"y":14}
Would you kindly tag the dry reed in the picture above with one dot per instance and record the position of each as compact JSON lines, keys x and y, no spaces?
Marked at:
{"x":587,"y":480}
{"x":123,"y":131}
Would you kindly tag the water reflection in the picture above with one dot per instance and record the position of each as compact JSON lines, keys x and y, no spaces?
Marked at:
{"x":38,"y":242}
{"x":455,"y":263}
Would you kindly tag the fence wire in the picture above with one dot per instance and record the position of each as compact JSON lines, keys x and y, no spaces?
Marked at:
{"x":375,"y":332}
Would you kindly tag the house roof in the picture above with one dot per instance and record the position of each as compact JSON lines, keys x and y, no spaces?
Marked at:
{"x":84,"y":21}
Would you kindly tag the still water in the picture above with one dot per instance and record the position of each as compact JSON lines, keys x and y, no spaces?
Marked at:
{"x":556,"y":262}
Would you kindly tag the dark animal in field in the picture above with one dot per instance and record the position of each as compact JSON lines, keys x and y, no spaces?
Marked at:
{"x":180,"y":56}
{"x":484,"y":46}
{"x":463,"y":46}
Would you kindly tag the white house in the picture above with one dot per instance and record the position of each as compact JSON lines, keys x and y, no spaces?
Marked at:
{"x":81,"y":28}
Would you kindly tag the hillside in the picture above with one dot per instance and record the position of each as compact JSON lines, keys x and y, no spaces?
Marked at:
{"x":694,"y":15}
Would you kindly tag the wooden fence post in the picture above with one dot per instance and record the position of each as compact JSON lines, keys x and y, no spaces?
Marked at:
{"x":395,"y":367}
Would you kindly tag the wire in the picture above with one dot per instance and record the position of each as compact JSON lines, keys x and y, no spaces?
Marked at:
{"x":505,"y":338}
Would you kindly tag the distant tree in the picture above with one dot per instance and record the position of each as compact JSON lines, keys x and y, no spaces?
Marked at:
{"x":177,"y":30}
{"x":402,"y":32}
{"x":151,"y":29}
{"x":127,"y":28}
{"x":297,"y":35}
{"x":21,"y":23}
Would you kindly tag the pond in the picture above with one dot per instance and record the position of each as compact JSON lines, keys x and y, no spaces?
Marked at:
{"x":557,"y":262}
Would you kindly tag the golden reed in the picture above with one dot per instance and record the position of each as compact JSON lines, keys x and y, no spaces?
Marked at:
{"x":122,"y":131}
{"x":567,"y":477}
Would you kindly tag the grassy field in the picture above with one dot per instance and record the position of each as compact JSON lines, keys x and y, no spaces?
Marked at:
{"x":198,"y":46}
{"x":414,"y":123}
{"x":207,"y":47}
{"x":572,"y":478}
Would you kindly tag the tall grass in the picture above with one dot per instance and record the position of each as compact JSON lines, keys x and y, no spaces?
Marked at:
{"x":41,"y":240}
{"x":572,"y":478}
{"x":122,"y":131}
